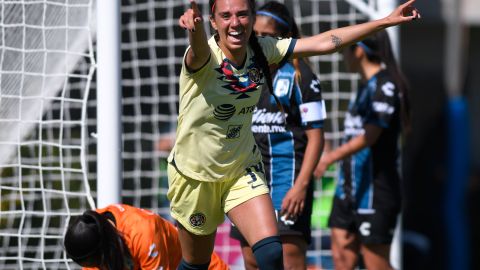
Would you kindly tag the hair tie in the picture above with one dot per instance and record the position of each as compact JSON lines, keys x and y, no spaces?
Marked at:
{"x":365,"y":48}
{"x":275,"y":17}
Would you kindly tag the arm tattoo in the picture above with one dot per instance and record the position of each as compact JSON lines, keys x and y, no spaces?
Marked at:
{"x":337,"y":41}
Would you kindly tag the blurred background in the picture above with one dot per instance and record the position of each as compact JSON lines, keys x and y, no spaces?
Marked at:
{"x":427,"y":49}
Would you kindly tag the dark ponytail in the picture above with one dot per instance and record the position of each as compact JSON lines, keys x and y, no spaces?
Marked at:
{"x":92,"y":241}
{"x":261,"y":60}
{"x":286,"y":27}
{"x":381,"y":52}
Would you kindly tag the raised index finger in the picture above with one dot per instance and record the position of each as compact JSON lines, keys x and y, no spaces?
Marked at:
{"x":194,"y":7}
{"x":408,"y":3}
{"x":197,"y":15}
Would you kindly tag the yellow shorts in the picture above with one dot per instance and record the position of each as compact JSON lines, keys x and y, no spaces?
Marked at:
{"x":201,"y":206}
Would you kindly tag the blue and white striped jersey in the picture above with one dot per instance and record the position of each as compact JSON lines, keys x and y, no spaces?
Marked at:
{"x":369,"y":178}
{"x":283,"y":144}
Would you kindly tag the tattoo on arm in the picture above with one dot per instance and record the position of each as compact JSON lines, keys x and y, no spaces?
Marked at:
{"x":337,"y":41}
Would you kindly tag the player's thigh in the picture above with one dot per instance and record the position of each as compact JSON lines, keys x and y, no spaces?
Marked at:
{"x":255,"y":218}
{"x":249,"y":206}
{"x":294,"y":252}
{"x":344,"y":240}
{"x":376,"y":256}
{"x":345,"y":247}
{"x":376,"y":233}
{"x":343,"y":227}
{"x":197,"y":205}
{"x":190,"y":242}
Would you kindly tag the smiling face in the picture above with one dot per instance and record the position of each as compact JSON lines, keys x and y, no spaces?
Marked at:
{"x":233,"y":20}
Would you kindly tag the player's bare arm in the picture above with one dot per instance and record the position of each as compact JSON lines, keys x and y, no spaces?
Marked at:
{"x":354,"y":145}
{"x":336,"y":39}
{"x":199,"y":51}
{"x":294,"y":202}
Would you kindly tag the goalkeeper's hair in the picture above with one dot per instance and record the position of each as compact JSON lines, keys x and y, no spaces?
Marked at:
{"x":92,"y":241}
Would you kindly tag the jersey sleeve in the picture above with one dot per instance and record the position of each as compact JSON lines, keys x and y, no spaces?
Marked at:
{"x":199,"y":72}
{"x":312,"y":107}
{"x":277,"y":50}
{"x":382,"y":104}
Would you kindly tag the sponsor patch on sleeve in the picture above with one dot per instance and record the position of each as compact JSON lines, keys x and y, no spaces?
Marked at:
{"x":313,"y":111}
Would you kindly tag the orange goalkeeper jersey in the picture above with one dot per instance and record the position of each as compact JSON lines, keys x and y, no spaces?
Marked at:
{"x":152,"y":241}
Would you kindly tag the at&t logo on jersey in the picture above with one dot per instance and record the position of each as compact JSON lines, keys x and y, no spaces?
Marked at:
{"x":224,"y":112}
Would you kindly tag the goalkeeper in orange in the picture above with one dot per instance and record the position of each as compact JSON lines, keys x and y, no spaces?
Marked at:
{"x":121,"y":237}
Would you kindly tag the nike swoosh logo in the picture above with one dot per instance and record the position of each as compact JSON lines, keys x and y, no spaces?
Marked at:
{"x":254,"y":187}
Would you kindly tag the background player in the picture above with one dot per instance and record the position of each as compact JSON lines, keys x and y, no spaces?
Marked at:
{"x":367,"y":199}
{"x":290,"y":150}
{"x":215,"y":166}
{"x":120,"y":236}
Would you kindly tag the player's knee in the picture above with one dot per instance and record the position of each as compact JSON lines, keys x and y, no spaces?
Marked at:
{"x":187,"y":266}
{"x":268,"y":253}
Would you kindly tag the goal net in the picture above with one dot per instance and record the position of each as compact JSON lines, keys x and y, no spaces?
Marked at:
{"x":43,"y":98}
{"x":48,"y":116}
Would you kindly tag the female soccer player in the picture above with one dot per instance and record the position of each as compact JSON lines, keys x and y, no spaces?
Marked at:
{"x":290,"y":149}
{"x":121,"y":237}
{"x":215,"y":167}
{"x":367,"y":199}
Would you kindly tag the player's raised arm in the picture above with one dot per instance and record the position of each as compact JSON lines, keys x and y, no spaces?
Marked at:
{"x":192,"y":21}
{"x":336,"y":39}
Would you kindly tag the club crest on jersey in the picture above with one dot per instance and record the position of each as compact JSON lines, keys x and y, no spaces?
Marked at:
{"x":254,"y":75}
{"x":197,"y":219}
{"x":240,"y":84}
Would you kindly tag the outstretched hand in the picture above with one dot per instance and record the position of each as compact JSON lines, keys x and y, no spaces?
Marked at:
{"x":404,"y":13}
{"x":191,"y":17}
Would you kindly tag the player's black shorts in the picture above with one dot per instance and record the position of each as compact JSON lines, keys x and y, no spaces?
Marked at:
{"x":376,"y":227}
{"x":301,"y":227}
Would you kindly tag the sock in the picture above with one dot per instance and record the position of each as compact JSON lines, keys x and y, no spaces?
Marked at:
{"x":269,"y":253}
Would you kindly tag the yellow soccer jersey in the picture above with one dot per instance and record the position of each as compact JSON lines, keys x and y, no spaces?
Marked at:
{"x":214,"y":140}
